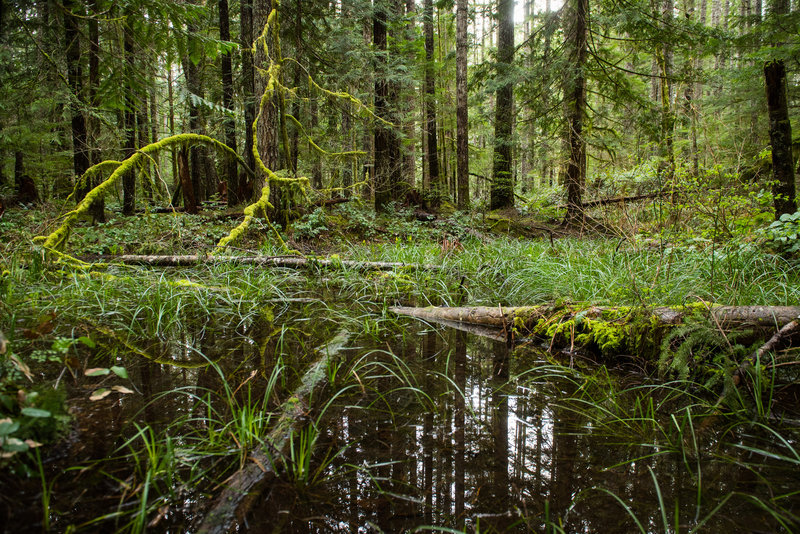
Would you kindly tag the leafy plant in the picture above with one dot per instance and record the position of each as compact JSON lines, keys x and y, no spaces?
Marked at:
{"x":311,"y":226}
{"x":783,"y":235}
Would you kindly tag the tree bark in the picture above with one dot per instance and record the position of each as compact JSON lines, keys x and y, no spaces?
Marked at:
{"x":387,"y":145}
{"x":189,"y":200}
{"x":129,"y":116}
{"x":437,"y":188}
{"x":97,"y":209}
{"x":575,"y":178}
{"x":462,"y":107}
{"x":273,"y":261}
{"x":229,"y":121}
{"x":73,"y":13}
{"x":502,"y":189}
{"x":780,"y":135}
{"x":246,"y":187}
{"x":267,"y":111}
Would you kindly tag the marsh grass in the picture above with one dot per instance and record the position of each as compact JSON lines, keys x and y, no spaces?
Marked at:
{"x":681,"y":422}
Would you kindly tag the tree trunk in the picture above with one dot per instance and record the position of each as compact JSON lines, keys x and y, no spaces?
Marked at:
{"x":73,"y":13}
{"x":144,"y":140}
{"x":575,"y":177}
{"x":129,"y":116}
{"x":246,"y":187}
{"x":173,"y":151}
{"x":437,"y":188}
{"x":502,"y":189}
{"x":462,"y":106}
{"x":97,"y":209}
{"x":267,"y":135}
{"x":316,"y":161}
{"x":229,"y":121}
{"x":387,"y":147}
{"x":780,"y":135}
{"x":189,"y":200}
{"x":607,"y":330}
{"x":667,"y":166}
{"x":408,"y":175}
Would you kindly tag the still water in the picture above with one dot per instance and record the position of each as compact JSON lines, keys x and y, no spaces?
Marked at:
{"x":418,"y":427}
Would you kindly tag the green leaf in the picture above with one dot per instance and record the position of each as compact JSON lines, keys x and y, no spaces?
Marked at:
{"x":97,"y":371}
{"x":35,"y":412}
{"x":87,"y":341}
{"x":7,"y":426}
{"x":120,"y":371}
{"x":15,"y":445}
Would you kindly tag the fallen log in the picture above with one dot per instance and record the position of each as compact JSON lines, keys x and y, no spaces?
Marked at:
{"x":242,"y":488}
{"x":618,"y":200}
{"x":607,"y":330}
{"x":292,"y":262}
{"x":779,"y":340}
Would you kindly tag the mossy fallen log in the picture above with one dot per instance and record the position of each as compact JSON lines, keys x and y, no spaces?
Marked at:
{"x":242,"y":488}
{"x":609,"y":331}
{"x":292,"y":262}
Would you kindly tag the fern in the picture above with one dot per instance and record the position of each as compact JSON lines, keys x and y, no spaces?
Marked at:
{"x":698,"y":349}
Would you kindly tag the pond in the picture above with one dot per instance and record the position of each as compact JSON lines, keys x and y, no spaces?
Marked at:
{"x":414,"y":427}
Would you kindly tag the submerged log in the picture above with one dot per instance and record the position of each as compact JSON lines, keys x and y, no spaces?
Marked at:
{"x":608,"y":330}
{"x":292,"y":262}
{"x":242,"y":488}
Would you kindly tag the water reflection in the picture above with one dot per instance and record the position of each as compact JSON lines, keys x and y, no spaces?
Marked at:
{"x":499,"y":451}
{"x":440,"y":428}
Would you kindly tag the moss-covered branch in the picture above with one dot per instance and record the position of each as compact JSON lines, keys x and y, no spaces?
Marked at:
{"x":58,"y":238}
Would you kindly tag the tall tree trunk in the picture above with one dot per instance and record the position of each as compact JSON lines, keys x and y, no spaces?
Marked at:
{"x":267,"y":135}
{"x":462,"y":117}
{"x":97,"y":208}
{"x":129,"y":116}
{"x":780,"y":135}
{"x":231,"y":168}
{"x":575,"y":177}
{"x":387,"y":145}
{"x":667,"y":167}
{"x":502,"y":191}
{"x":316,"y":161}
{"x":246,"y":187}
{"x":171,"y":102}
{"x":143,"y":140}
{"x":410,"y":119}
{"x":73,"y":13}
{"x":437,"y":188}
{"x":299,"y":77}
{"x":780,"y":129}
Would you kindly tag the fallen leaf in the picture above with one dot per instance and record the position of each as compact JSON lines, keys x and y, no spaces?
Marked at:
{"x":101,"y":393}
{"x":97,"y":371}
{"x":122,"y":389}
{"x":21,"y":366}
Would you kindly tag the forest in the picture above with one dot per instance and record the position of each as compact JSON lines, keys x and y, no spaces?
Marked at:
{"x":455,"y":266}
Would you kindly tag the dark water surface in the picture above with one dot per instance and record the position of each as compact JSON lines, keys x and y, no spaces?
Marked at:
{"x":512,"y":453}
{"x":428,"y":427}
